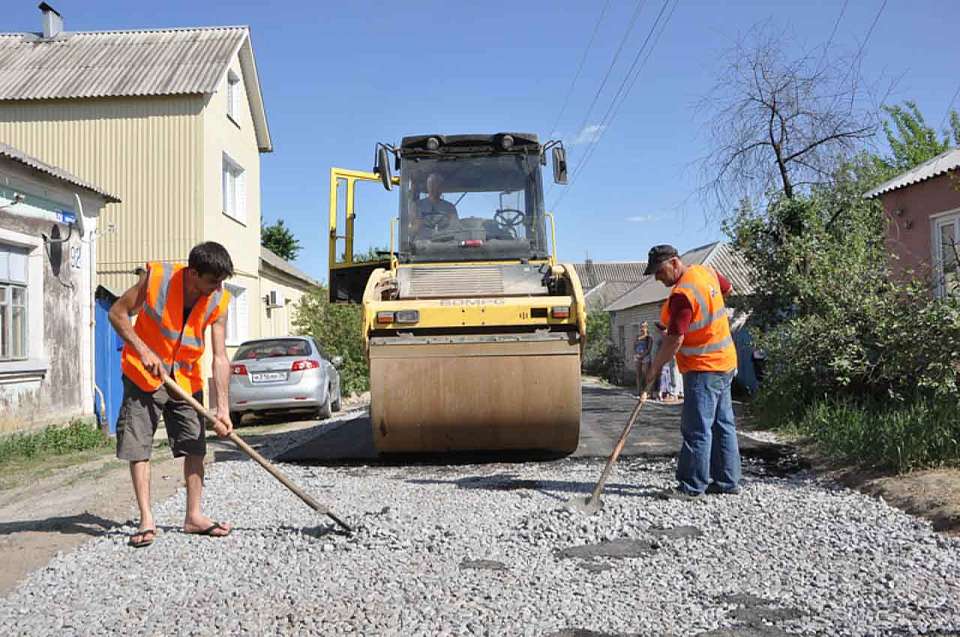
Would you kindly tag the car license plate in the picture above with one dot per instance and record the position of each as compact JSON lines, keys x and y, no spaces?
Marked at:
{"x":266,"y":377}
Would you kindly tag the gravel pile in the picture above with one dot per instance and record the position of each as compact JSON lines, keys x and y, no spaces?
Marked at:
{"x":490,"y":550}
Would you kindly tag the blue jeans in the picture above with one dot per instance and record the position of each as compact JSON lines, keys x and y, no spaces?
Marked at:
{"x":710,"y":449}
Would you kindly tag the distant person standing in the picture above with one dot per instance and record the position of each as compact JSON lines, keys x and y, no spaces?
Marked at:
{"x":698,"y":334}
{"x":642,"y":350}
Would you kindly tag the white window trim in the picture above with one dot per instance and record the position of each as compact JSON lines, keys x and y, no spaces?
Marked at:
{"x":233,"y":97}
{"x":936,"y":251}
{"x":239,"y":213}
{"x":239,"y":311}
{"x":36,"y":363}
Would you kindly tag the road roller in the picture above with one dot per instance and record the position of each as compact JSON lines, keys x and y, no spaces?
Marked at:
{"x":473,"y":330}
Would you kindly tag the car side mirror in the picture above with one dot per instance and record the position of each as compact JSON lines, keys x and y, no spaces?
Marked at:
{"x":337,"y":361}
{"x":383,"y":168}
{"x":559,"y":165}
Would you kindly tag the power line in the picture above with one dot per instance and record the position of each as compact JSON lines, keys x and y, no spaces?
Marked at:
{"x":626,"y":85}
{"x":870,"y":31}
{"x":833,"y":33}
{"x":576,"y":76}
{"x":613,"y":62}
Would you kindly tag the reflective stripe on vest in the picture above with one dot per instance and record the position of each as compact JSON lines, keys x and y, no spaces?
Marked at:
{"x":706,"y":349}
{"x":706,"y":320}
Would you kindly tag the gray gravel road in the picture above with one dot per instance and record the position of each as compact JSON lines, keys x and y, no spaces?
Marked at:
{"x":490,"y":550}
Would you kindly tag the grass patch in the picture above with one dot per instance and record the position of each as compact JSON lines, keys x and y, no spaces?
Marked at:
{"x":79,"y":435}
{"x":898,"y":436}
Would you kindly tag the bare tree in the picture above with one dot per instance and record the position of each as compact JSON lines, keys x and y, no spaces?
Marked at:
{"x":779,"y":124}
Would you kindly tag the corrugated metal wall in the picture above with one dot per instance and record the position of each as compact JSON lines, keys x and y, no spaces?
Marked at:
{"x":147,"y":151}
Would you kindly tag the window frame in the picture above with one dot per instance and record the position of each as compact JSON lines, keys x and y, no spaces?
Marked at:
{"x":232,"y":191}
{"x":233,"y":97}
{"x":237,"y":316}
{"x":946,"y":218}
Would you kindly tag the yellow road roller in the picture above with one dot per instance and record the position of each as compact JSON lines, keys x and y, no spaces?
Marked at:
{"x":473,"y":331}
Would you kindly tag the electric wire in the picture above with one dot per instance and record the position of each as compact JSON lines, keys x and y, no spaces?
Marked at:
{"x":576,"y":76}
{"x":950,"y":106}
{"x":626,"y":85}
{"x":613,"y":62}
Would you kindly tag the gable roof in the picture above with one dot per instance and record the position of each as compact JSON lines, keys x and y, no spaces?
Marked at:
{"x":21,"y":157}
{"x":279,"y":263}
{"x":939,"y":165}
{"x":592,"y":273}
{"x":719,"y":255}
{"x":88,"y":64}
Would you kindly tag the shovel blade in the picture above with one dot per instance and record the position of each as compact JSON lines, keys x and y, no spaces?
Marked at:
{"x":588,"y":505}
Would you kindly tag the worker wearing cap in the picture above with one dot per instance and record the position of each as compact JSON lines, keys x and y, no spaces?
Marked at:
{"x":174,"y":305}
{"x":698,"y":334}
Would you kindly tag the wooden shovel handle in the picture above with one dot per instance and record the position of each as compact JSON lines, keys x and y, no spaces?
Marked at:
{"x":617,"y":449}
{"x":250,"y":451}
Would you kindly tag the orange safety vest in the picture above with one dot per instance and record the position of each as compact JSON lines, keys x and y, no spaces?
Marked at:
{"x":161,"y":326}
{"x":708,"y":345}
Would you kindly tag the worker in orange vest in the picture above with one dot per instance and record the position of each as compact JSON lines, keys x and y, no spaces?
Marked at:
{"x":174,"y":304}
{"x":698,"y":334}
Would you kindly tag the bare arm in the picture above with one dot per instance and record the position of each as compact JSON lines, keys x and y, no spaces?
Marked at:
{"x":221,"y":372}
{"x":668,"y":349}
{"x":129,"y":304}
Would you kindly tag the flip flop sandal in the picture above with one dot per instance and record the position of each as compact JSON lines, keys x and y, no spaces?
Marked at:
{"x":144,"y":542}
{"x":209,"y":531}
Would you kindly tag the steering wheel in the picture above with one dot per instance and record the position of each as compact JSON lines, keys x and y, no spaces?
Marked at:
{"x":435,"y":219}
{"x":509,"y":219}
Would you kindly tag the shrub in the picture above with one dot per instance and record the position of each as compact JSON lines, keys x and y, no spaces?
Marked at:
{"x":79,"y":435}
{"x":338,"y":330}
{"x":600,"y":356}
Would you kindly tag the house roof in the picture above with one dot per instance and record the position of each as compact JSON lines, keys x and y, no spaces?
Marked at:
{"x":88,"y":64}
{"x":600,"y":296}
{"x":592,"y":273}
{"x":270,"y":258}
{"x":719,"y":255}
{"x":19,"y":156}
{"x":939,"y":165}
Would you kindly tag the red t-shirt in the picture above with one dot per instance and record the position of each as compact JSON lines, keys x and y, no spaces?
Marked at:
{"x":681,"y":312}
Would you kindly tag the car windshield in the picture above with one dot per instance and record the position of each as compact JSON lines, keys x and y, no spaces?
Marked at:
{"x":471,"y":208}
{"x":273,"y":348}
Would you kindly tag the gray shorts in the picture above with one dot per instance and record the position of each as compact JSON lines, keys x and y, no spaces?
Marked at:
{"x":140,"y":415}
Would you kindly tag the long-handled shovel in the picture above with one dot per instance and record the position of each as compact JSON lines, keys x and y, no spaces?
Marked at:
{"x":250,"y":451}
{"x":591,"y":504}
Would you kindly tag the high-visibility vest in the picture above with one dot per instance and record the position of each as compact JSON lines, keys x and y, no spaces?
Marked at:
{"x":708,"y":345}
{"x":161,"y":326}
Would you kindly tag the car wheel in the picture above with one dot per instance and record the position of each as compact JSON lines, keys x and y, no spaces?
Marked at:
{"x":325,"y":411}
{"x":236,"y":417}
{"x":335,"y":405}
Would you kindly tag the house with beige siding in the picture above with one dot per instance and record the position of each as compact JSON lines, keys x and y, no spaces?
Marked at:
{"x":48,"y":222}
{"x":170,"y":120}
{"x":285,"y":286}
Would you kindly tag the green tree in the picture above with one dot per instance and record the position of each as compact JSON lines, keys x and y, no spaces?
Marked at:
{"x":280,"y":240}
{"x":911,"y":140}
{"x":338,"y":330}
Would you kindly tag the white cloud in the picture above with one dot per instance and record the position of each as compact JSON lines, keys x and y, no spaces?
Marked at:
{"x":643,"y":218}
{"x":590,"y":133}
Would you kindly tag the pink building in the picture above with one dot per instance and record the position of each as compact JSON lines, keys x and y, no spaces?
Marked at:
{"x":923,"y":209}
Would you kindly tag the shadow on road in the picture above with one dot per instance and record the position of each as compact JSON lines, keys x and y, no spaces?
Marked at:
{"x":550,"y":488}
{"x":84,"y":523}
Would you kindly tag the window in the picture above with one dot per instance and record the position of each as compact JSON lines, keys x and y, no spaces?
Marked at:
{"x":234,"y":190}
{"x":946,"y":254}
{"x":236,"y":315}
{"x":233,"y":97}
{"x":13,"y":303}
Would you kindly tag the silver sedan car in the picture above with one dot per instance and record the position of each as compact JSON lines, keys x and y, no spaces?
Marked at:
{"x":283,"y":374}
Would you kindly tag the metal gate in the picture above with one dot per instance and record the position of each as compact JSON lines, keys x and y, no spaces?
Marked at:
{"x":107,"y":356}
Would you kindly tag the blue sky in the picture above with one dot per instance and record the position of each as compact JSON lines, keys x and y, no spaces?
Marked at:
{"x":338,"y":77}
